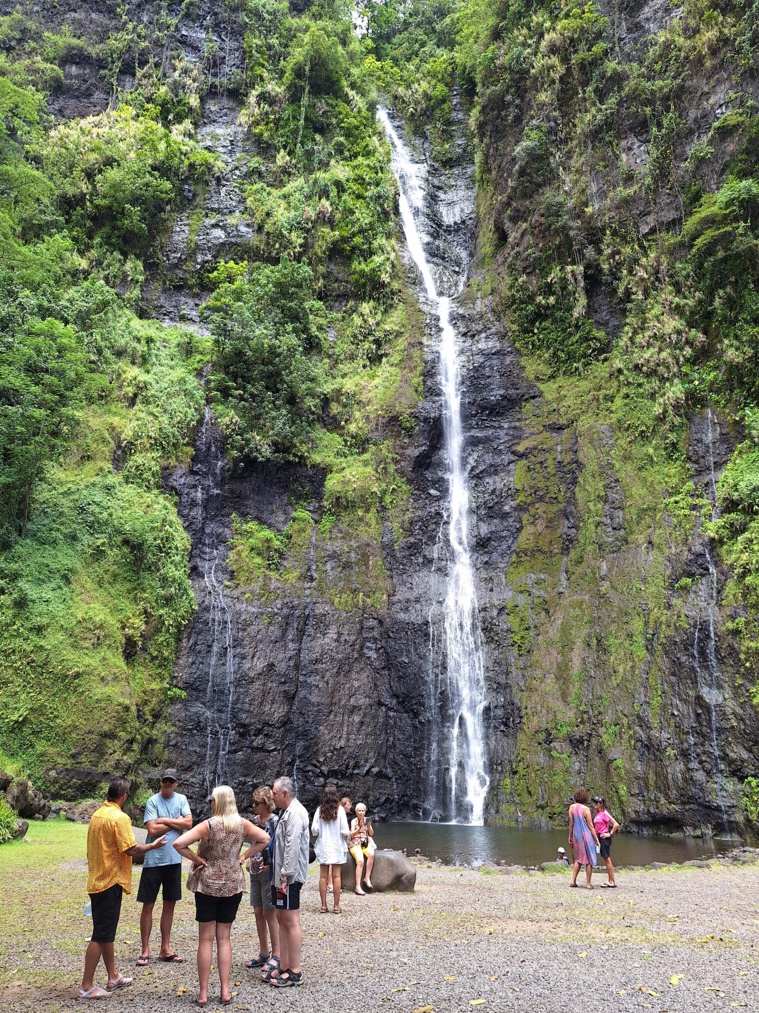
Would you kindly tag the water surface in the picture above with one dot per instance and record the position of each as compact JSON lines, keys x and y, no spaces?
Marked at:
{"x":458,"y":845}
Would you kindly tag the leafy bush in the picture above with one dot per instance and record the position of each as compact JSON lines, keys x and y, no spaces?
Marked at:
{"x":267,"y":382}
{"x":7,"y":822}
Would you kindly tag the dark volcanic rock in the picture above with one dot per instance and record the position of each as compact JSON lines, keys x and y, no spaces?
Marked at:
{"x":22,"y":796}
{"x":73,"y":783}
{"x":288,"y":682}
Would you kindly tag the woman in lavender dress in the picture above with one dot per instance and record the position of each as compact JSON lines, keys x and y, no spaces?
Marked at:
{"x":582,"y":837}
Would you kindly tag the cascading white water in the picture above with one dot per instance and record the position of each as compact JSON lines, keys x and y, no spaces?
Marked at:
{"x":465,"y":678}
{"x":221,"y":666}
{"x":709,"y":687}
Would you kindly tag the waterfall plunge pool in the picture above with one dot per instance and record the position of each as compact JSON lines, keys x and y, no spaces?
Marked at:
{"x":456,"y":844}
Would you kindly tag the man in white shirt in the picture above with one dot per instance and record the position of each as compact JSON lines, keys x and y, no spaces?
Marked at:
{"x":166,"y":814}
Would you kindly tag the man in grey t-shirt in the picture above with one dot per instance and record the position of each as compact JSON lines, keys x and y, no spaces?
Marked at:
{"x":166,"y":813}
{"x":289,"y":875}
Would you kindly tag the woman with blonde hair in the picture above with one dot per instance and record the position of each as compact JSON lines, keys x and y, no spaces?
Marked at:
{"x":362,"y":832}
{"x":260,"y":868}
{"x":217,"y":880}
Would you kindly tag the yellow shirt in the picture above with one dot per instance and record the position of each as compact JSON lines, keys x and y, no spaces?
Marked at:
{"x":109,"y":836}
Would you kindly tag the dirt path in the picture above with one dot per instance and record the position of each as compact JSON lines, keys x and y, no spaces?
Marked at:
{"x":665,"y":940}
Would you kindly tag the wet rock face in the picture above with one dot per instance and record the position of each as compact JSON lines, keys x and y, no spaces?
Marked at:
{"x":289,"y":683}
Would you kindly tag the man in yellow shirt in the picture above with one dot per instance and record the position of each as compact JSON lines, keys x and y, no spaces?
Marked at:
{"x":110,"y":848}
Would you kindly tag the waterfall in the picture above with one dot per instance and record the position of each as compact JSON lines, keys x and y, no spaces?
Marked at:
{"x":463,"y":683}
{"x":209,"y":454}
{"x":708,"y":674}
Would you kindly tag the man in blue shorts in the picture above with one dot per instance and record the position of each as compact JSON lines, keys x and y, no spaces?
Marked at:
{"x":166,"y":814}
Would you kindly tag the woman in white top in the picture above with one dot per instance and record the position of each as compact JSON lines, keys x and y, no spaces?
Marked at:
{"x":330,"y":828}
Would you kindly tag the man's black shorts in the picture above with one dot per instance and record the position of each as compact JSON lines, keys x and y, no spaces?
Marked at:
{"x":290,"y":901}
{"x":106,"y":908}
{"x":154,"y":876}
{"x":216,"y":909}
{"x":605,"y":846}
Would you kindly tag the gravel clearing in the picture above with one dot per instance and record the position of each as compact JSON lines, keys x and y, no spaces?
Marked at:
{"x":515,"y":942}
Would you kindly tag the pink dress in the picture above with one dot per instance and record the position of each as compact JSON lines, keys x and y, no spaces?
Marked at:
{"x":583,"y":842}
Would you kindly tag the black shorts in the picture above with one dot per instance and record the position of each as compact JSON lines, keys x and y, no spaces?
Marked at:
{"x":155,"y":876}
{"x":216,"y":909}
{"x":605,"y":846}
{"x":290,"y":901}
{"x":106,"y":909}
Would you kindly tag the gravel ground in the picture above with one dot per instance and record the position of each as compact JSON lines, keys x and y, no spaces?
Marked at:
{"x":521,"y":942}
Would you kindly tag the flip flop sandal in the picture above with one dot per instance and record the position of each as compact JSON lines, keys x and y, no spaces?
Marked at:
{"x":172,"y":958}
{"x":143,"y":961}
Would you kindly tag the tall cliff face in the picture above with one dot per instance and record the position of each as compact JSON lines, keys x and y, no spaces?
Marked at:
{"x":327,"y":674}
{"x":615,"y":644}
{"x":601,"y":140}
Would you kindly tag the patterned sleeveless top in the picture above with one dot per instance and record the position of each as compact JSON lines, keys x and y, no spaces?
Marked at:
{"x":223,"y":875}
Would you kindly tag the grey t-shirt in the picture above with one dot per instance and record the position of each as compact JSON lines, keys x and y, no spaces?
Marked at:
{"x":172,"y":808}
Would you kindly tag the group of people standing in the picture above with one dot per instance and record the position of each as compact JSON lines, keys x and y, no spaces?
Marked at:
{"x":277,"y":857}
{"x":590,"y":837}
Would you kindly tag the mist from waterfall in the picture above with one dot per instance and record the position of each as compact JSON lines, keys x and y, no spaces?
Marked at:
{"x":464,"y":670}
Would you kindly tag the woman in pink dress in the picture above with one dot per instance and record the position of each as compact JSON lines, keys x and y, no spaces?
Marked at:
{"x":582,"y":837}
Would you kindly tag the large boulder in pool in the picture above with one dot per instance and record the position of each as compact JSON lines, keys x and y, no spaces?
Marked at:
{"x":392,"y":871}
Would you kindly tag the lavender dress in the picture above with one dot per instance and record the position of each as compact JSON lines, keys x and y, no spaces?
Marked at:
{"x":583,"y":843}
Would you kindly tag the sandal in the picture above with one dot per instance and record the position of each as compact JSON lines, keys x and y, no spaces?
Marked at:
{"x":257,"y":961}
{"x":271,"y":967}
{"x":336,"y":911}
{"x":360,"y":893}
{"x":143,"y":961}
{"x":288,"y":979}
{"x":96,"y":992}
{"x":120,"y":982}
{"x":172,"y":958}
{"x":322,"y":910}
{"x":608,"y":886}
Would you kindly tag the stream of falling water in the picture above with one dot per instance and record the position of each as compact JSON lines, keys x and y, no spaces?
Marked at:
{"x":709,"y":688}
{"x":465,"y":679}
{"x":221,"y":666}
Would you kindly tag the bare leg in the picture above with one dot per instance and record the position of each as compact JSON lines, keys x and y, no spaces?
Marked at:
{"x":359,"y":877}
{"x":337,"y":883}
{"x":291,"y":938}
{"x":588,"y":874}
{"x":323,"y":872}
{"x":224,"y":955}
{"x":146,"y":927}
{"x":92,"y":957}
{"x":167,"y":920}
{"x":369,"y":866}
{"x":263,"y":942}
{"x":206,"y":934}
{"x":610,"y":871}
{"x":575,"y":872}
{"x":273,"y":924}
{"x":284,"y":954}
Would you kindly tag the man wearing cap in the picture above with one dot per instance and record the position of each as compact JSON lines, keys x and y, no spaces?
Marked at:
{"x":561,"y":857}
{"x":166,"y":814}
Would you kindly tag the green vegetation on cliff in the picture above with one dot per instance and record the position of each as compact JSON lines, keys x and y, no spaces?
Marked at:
{"x":313,"y":356}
